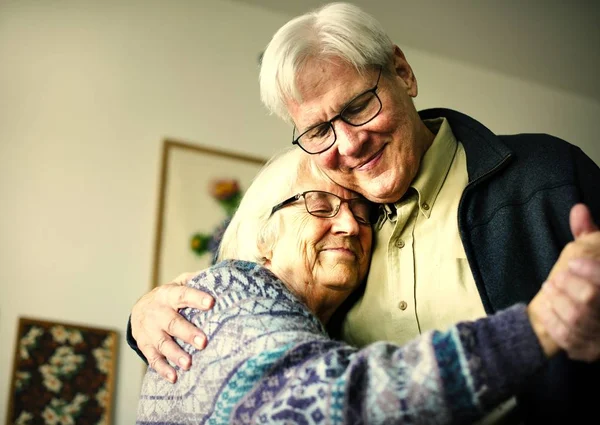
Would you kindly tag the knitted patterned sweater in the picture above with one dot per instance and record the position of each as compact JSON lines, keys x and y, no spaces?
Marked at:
{"x":270,"y":361}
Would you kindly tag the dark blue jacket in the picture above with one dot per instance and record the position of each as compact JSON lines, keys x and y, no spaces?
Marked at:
{"x":513,"y":219}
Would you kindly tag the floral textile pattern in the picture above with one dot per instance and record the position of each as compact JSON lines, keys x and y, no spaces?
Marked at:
{"x":63,"y":374}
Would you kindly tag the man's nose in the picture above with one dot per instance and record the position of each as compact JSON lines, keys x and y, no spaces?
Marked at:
{"x":344,"y":221}
{"x":350,"y":139}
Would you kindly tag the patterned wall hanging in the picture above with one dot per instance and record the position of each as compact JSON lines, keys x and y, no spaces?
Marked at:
{"x":63,"y":374}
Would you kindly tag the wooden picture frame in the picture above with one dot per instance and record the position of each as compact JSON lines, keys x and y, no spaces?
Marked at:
{"x":63,"y":373}
{"x":185,"y":205}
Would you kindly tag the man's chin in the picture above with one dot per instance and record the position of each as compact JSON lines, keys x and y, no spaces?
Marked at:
{"x":380,"y":193}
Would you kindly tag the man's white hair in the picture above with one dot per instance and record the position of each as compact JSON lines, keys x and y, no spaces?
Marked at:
{"x":336,"y":30}
{"x":250,"y":228}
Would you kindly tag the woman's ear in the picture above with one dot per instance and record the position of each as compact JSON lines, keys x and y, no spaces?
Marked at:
{"x":266,"y":251}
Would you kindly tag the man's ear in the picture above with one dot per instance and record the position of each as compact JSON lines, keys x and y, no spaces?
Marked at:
{"x":404,"y":71}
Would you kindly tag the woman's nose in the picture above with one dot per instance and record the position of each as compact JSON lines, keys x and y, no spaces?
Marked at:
{"x":344,"y":221}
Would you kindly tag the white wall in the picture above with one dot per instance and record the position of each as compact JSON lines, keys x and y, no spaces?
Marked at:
{"x":88,"y":91}
{"x":506,"y":104}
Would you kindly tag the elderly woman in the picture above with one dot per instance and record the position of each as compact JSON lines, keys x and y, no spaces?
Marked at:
{"x":295,"y":249}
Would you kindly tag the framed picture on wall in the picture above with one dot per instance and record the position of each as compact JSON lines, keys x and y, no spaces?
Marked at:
{"x":63,"y":373}
{"x":195,"y":199}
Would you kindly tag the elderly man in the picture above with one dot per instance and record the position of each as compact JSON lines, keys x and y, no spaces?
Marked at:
{"x":472,"y":222}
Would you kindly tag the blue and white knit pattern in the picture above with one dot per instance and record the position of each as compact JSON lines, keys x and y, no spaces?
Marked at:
{"x":270,"y":361}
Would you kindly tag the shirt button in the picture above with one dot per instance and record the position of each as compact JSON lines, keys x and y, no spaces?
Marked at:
{"x":402,"y":305}
{"x":425,"y":206}
{"x":399,"y":243}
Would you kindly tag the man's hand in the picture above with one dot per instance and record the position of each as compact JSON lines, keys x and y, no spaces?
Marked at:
{"x":566,"y":312}
{"x":573,"y":316}
{"x":582,"y":224}
{"x":155,"y":320}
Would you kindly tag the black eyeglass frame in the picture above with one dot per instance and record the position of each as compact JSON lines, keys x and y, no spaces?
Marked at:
{"x":296,"y":141}
{"x":296,"y":197}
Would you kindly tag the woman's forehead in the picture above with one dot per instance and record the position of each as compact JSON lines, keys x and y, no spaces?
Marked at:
{"x":312,"y":183}
{"x":311,"y":177}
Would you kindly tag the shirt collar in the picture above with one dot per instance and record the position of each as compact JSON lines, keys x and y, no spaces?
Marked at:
{"x":434,"y":166}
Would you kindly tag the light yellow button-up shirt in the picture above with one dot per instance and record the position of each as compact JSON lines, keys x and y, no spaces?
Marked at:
{"x":419,"y":278}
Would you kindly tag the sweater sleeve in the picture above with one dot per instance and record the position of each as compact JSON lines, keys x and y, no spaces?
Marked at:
{"x":269,"y":360}
{"x":450,"y":377}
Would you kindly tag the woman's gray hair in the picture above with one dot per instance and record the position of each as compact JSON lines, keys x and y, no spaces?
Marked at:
{"x":250,"y":228}
{"x":336,"y":30}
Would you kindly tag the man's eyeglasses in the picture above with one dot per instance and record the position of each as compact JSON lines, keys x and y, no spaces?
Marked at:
{"x":327,"y":205}
{"x":359,"y":111}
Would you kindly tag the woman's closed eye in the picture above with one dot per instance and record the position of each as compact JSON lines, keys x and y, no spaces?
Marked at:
{"x":321,"y":207}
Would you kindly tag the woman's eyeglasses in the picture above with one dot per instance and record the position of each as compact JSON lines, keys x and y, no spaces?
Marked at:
{"x":326,"y":205}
